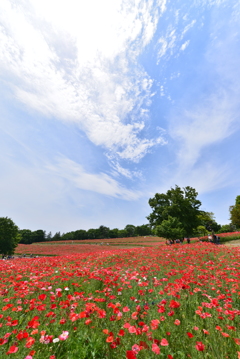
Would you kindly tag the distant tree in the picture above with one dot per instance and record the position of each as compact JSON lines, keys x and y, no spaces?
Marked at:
{"x":92,"y":233}
{"x":235,"y":213}
{"x":26,"y":236}
{"x":49,"y":236}
{"x":9,"y":236}
{"x":170,"y":228}
{"x":113,"y":233}
{"x":122,"y":233}
{"x":130,"y":230}
{"x":103,"y":232}
{"x":178,"y":203}
{"x":226,"y":228}
{"x":38,"y":236}
{"x":143,"y":230}
{"x":80,"y":234}
{"x":57,"y":236}
{"x":68,"y":236}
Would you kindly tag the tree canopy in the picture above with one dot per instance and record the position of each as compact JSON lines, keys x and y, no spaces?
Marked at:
{"x":170,"y":228}
{"x":9,"y":236}
{"x":208,"y":222}
{"x":235,"y":213}
{"x":179,"y":203}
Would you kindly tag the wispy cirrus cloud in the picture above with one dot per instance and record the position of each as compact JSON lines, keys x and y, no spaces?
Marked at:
{"x":172,"y":38}
{"x":201,"y":124}
{"x":100,"y":183}
{"x":78,"y":64}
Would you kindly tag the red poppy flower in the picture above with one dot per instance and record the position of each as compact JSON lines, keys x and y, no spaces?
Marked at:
{"x":12,"y":349}
{"x":110,"y":339}
{"x":200,"y":346}
{"x":174,"y":304}
{"x":130,"y":354}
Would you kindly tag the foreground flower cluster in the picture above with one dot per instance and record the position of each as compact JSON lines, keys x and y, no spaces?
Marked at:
{"x":180,"y":301}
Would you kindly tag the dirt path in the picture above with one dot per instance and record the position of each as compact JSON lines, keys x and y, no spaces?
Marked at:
{"x":233,"y":243}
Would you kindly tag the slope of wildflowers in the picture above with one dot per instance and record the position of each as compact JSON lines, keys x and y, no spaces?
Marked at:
{"x":180,"y":301}
{"x":83,"y":246}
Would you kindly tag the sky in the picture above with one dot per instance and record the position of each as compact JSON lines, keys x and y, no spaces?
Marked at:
{"x":105,"y":103}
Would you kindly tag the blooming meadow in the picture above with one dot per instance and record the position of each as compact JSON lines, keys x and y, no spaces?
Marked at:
{"x":86,"y":246}
{"x":179,"y":301}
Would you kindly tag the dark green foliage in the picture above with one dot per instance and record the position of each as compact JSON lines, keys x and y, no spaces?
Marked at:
{"x":226,"y":228}
{"x":49,"y":236}
{"x":144,"y":230}
{"x":122,"y":233}
{"x":170,"y":228}
{"x":57,"y":236}
{"x":91,"y":233}
{"x":130,"y":230}
{"x":38,"y":236}
{"x":80,"y":234}
{"x":103,"y":232}
{"x":207,"y":220}
{"x":9,"y":236}
{"x":235,"y":213}
{"x":113,"y":233}
{"x":26,"y":236}
{"x":177,"y":203}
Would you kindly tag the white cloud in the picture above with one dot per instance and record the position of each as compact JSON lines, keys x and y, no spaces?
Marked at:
{"x":168,"y":44}
{"x":185,"y":45}
{"x":207,"y":123}
{"x":163,"y":47}
{"x":76,"y":61}
{"x":101,"y":183}
{"x":119,"y":170}
{"x":187,"y":28}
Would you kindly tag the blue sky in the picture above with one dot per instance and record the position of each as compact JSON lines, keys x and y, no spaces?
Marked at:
{"x":105,"y":103}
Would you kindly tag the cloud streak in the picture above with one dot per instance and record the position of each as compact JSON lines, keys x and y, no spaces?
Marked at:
{"x":100,"y":183}
{"x":92,"y":80}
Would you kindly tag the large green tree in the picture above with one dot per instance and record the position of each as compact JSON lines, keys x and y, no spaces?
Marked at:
{"x":180,"y":203}
{"x":235,"y":213}
{"x":9,"y":236}
{"x":207,"y":220}
{"x":170,"y":228}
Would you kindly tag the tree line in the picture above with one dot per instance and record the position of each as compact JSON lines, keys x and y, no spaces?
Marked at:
{"x":175,"y":214}
{"x":28,"y":236}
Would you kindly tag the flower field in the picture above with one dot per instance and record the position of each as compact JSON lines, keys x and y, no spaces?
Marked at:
{"x":86,"y":246}
{"x":179,"y":301}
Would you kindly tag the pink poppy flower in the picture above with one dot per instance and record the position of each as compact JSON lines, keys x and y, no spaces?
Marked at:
{"x":64,"y":335}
